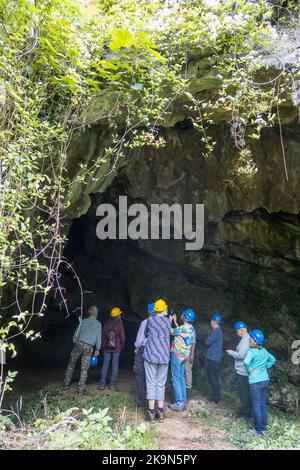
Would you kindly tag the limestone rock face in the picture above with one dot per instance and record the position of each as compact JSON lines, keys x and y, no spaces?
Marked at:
{"x":249,"y":267}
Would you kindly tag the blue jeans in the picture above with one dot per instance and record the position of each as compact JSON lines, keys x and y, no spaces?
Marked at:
{"x":115,"y":356}
{"x":259,"y":395}
{"x":178,"y":379}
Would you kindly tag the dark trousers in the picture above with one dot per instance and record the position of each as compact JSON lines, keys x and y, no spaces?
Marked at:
{"x":213,"y":373}
{"x":140,"y":379}
{"x":115,"y":356}
{"x":259,"y":396}
{"x":244,"y":394}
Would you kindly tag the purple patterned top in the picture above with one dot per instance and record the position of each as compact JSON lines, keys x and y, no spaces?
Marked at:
{"x":157,"y":349}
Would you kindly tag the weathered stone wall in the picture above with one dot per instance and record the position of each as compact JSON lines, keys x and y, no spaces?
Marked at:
{"x":249,"y":267}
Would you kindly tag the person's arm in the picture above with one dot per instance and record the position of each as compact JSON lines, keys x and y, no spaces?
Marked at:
{"x":192,"y":353}
{"x":248,"y":361}
{"x":176,"y":331}
{"x":122,"y":336}
{"x":104,"y":329}
{"x":173,"y":320}
{"x":140,"y":337}
{"x":212,"y":338}
{"x":243,"y":350}
{"x":99,"y":340}
{"x":271,"y":361}
{"x":77,"y":331}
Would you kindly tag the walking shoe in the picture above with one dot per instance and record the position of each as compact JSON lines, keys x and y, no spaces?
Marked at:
{"x":66,"y":387}
{"x":111,"y":387}
{"x":101,"y":387}
{"x":159,"y":415}
{"x":150,"y":416}
{"x":81,"y":392}
{"x":177,"y":407}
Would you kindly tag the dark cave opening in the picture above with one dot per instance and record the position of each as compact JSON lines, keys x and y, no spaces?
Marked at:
{"x":108,"y":271}
{"x":130,"y":274}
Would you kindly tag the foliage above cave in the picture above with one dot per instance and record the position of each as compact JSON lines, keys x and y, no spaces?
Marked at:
{"x":58,"y":56}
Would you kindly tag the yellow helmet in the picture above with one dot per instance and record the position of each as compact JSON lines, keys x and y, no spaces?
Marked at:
{"x":115,"y":312}
{"x":160,"y":305}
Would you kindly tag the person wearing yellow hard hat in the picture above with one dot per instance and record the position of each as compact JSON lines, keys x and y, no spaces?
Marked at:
{"x":160,"y":306}
{"x":156,"y":359}
{"x":115,"y":312}
{"x":113,"y":344}
{"x":138,"y":366}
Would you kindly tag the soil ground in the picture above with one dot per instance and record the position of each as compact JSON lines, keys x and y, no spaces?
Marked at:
{"x":184,"y":431}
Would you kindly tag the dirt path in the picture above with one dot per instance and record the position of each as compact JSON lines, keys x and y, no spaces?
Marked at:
{"x":188,"y":431}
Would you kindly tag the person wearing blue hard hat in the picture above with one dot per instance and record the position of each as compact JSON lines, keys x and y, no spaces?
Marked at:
{"x":257,"y":362}
{"x":184,"y":337}
{"x":214,"y":344}
{"x":190,"y":362}
{"x":138,"y":367}
{"x":239,"y":355}
{"x":217,"y":318}
{"x":87,"y":336}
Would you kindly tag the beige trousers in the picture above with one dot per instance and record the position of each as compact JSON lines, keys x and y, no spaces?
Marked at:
{"x":188,"y":375}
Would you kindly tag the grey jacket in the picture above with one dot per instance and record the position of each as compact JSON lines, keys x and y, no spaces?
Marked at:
{"x":239,"y":355}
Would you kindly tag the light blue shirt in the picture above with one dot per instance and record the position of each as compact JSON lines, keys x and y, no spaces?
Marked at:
{"x":89,"y":331}
{"x":141,"y":339}
{"x":257,"y":362}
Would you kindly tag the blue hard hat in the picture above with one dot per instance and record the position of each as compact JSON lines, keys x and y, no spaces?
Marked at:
{"x":151,"y":309}
{"x":217,"y":317}
{"x":94,"y":361}
{"x":239,"y":324}
{"x":258,"y":337}
{"x":189,"y":314}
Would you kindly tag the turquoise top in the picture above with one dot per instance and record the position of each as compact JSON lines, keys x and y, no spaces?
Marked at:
{"x":257,"y":362}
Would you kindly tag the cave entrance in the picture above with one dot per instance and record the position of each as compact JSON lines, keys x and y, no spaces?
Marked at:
{"x":124,"y":273}
{"x":113,"y":273}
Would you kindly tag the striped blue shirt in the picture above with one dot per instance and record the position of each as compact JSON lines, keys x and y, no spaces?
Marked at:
{"x":89,"y":331}
{"x":157,"y":348}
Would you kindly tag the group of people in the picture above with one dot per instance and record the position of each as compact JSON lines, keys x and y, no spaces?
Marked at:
{"x":88,"y":340}
{"x":165,"y":339}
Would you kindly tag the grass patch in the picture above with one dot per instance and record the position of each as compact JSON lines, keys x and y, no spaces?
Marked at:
{"x":52,"y":401}
{"x":54,"y":419}
{"x":283,"y":431}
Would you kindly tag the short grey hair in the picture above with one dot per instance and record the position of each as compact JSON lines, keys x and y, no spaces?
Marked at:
{"x":93,"y":310}
{"x":164,"y":313}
